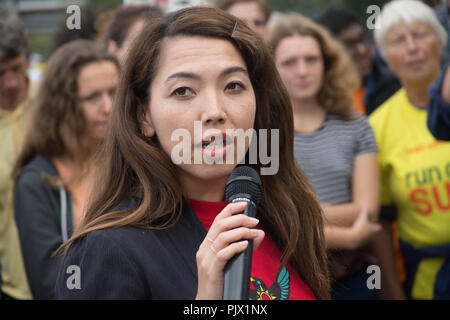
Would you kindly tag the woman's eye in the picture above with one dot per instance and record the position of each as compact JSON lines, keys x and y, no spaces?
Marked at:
{"x":235,"y":86}
{"x":398,"y":40}
{"x":289,"y":63}
{"x":182,"y":92}
{"x":419,"y":35}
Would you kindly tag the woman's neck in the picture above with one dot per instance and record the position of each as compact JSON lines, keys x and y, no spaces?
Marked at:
{"x":417,"y":95}
{"x":417,"y":91}
{"x":212,"y":190}
{"x":308,"y":115}
{"x":79,"y":172}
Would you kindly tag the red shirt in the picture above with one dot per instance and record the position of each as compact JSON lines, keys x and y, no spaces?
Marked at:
{"x":264,"y":283}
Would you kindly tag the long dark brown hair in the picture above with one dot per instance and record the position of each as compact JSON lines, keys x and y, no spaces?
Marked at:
{"x":58,"y":126}
{"x":135,"y":167}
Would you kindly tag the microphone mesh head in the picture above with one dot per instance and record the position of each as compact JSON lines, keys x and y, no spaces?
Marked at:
{"x":244,"y":180}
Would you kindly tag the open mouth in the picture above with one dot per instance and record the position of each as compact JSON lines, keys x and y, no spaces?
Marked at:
{"x":212,"y":146}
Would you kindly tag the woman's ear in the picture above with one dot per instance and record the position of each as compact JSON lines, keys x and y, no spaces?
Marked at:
{"x":146,"y":123}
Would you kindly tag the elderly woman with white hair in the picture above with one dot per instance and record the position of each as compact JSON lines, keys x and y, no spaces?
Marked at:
{"x":415,"y":167}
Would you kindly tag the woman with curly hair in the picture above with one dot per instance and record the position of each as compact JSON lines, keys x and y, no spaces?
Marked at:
{"x":333,"y":145}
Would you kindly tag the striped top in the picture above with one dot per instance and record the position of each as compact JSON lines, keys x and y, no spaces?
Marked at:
{"x":327,"y":156}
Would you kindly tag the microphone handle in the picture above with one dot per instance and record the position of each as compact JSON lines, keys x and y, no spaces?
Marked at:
{"x":236,"y":284}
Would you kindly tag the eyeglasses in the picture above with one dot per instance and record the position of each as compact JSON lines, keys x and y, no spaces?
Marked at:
{"x":352,"y":44}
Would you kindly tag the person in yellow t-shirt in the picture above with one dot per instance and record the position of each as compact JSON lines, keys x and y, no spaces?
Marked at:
{"x":14,"y":94}
{"x":415,"y":167}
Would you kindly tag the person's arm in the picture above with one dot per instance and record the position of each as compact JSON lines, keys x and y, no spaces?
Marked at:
{"x":351,"y":238}
{"x":439,"y":107}
{"x":365,"y":193}
{"x":391,"y":288}
{"x":39,"y":233}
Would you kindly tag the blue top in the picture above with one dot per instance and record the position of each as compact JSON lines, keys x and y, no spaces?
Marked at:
{"x":439,"y":111}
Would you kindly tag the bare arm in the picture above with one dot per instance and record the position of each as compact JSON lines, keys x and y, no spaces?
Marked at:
{"x":365,"y":186}
{"x":356,"y":236}
{"x":391,"y":288}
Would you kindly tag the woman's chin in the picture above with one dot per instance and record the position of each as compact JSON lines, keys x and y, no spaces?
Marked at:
{"x":208,"y":171}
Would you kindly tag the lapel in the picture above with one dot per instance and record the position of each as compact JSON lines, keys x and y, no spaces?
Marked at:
{"x":186,"y":237}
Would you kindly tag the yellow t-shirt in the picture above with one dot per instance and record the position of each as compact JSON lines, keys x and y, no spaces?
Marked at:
{"x":415,"y":177}
{"x":12,"y":132}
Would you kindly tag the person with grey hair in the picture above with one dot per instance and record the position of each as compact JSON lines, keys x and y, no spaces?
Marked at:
{"x":14,"y":97}
{"x":415,"y":181}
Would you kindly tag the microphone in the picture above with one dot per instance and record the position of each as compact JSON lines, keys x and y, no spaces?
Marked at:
{"x":243,"y":184}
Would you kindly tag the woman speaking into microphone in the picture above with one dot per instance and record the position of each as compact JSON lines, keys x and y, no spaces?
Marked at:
{"x":160,"y":229}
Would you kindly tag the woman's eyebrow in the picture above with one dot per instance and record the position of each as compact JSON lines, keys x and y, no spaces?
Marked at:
{"x":233,"y":70}
{"x":187,"y":75}
{"x":194,"y":76}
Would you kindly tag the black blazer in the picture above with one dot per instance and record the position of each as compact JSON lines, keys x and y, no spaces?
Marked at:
{"x":134,"y":263}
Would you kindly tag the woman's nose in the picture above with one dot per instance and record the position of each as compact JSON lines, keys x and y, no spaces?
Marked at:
{"x":214,"y":111}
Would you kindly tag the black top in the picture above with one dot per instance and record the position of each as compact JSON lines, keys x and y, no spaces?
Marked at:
{"x":381,"y":85}
{"x":37,"y":209}
{"x":438,"y":119}
{"x":134,"y":263}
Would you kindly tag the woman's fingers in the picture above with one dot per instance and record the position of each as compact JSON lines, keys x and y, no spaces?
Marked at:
{"x":231,"y":243}
{"x":228,"y":252}
{"x":258,"y":240}
{"x":233,"y":222}
{"x":228,"y":236}
{"x":231,"y":209}
{"x":235,"y":235}
{"x":363,"y":229}
{"x":231,"y":218}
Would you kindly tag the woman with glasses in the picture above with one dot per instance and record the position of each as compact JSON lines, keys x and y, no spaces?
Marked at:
{"x":55,"y":169}
{"x":415,"y":167}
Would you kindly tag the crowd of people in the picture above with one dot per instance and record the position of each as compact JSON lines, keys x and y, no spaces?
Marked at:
{"x":87,"y":178}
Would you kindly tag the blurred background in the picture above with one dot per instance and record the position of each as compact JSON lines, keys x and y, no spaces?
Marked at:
{"x":43,"y":17}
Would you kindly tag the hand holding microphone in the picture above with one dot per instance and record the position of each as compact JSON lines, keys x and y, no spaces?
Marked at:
{"x":231,"y":234}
